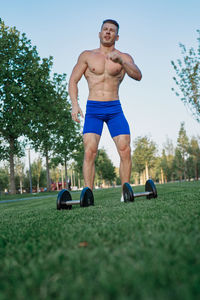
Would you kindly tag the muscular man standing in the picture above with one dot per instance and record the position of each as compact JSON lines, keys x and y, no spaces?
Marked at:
{"x":104,"y":69}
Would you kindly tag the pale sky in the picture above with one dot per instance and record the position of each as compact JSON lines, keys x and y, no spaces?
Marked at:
{"x":150,"y":31}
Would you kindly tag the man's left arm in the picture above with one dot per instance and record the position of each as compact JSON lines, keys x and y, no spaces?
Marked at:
{"x":130,"y":67}
{"x":127,"y":63}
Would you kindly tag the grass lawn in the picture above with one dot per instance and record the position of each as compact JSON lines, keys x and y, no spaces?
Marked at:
{"x":149,"y":249}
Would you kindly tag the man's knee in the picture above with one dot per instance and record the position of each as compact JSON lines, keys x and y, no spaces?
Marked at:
{"x":91,"y":142}
{"x":124,"y":151}
{"x":90,"y":154}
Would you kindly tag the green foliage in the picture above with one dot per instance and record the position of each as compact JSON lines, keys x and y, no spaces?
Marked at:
{"x":188,"y":78}
{"x":104,"y":167}
{"x":67,"y":138}
{"x":43,"y":114}
{"x":78,"y":156}
{"x":38,"y":174}
{"x":3,"y":149}
{"x":21,"y":78}
{"x":105,"y":170}
{"x":19,"y":63}
{"x":32,"y":105}
{"x":190,"y":168}
{"x":194,"y":152}
{"x":181,"y":154}
{"x":144,"y":153}
{"x":4,"y":179}
{"x":167,"y":160}
{"x":183,"y":141}
{"x":179,"y":164}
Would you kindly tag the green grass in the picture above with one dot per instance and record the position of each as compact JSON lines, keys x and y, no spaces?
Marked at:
{"x":149,"y":249}
{"x":25,"y":195}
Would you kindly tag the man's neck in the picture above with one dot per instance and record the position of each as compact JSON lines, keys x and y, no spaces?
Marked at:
{"x":106,"y":50}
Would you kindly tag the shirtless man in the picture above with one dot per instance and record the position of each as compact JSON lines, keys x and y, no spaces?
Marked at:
{"x":104,"y":69}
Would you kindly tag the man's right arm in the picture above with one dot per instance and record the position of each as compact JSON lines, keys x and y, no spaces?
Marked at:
{"x":76,"y":75}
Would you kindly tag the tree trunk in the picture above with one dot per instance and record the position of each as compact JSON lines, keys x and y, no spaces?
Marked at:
{"x":72,"y":178}
{"x":66,"y":175}
{"x":38,"y":187}
{"x":12,"y":167}
{"x":48,"y":175}
{"x":185,"y":177}
{"x":162,"y":176}
{"x":57,"y":179}
{"x":184,"y":171}
{"x":142,"y":177}
{"x":136,"y":179}
{"x":79,"y":183}
{"x":30,"y":174}
{"x":197,"y":172}
{"x":180,"y":176}
{"x":63,"y":185}
{"x":146,"y":171}
{"x":21,"y":185}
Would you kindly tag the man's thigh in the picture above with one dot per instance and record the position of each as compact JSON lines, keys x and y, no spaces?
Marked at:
{"x":92,"y":124}
{"x":118,"y":125}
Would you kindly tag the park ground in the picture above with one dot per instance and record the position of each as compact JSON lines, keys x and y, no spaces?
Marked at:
{"x":149,"y":249}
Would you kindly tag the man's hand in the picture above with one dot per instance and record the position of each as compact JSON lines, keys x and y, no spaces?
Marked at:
{"x":76,"y":111}
{"x":115,"y":57}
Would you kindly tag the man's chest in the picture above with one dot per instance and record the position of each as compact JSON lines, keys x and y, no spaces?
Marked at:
{"x":99,"y":65}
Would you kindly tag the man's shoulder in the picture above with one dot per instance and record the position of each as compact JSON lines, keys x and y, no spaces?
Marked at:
{"x":123,"y":53}
{"x":125,"y":56}
{"x":89,"y":52}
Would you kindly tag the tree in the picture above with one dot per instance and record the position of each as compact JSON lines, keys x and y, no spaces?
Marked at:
{"x":4,"y":178}
{"x":179,"y":164}
{"x":42,"y":180}
{"x":78,"y":156}
{"x":67,"y":132}
{"x":19,"y":166}
{"x":190,"y":167}
{"x":194,"y":151}
{"x":105,"y":170}
{"x":166,"y":161}
{"x":104,"y":167}
{"x":183,"y":147}
{"x":36,"y":170}
{"x":45,"y":115}
{"x":144,"y":155}
{"x":164,"y":167}
{"x":188,"y":78}
{"x":19,"y":63}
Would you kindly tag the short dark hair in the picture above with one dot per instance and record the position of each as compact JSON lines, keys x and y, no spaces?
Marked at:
{"x":112,"y":22}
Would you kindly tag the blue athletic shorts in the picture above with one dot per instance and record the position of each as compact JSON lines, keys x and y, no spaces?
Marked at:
{"x":98,"y":112}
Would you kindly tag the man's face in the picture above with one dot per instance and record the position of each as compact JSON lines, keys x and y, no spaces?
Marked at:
{"x":108,"y":34}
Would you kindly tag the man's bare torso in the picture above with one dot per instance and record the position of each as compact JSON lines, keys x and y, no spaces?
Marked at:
{"x":103,"y":75}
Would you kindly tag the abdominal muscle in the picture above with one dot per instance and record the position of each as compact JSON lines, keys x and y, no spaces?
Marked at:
{"x":99,"y":90}
{"x":102,"y":95}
